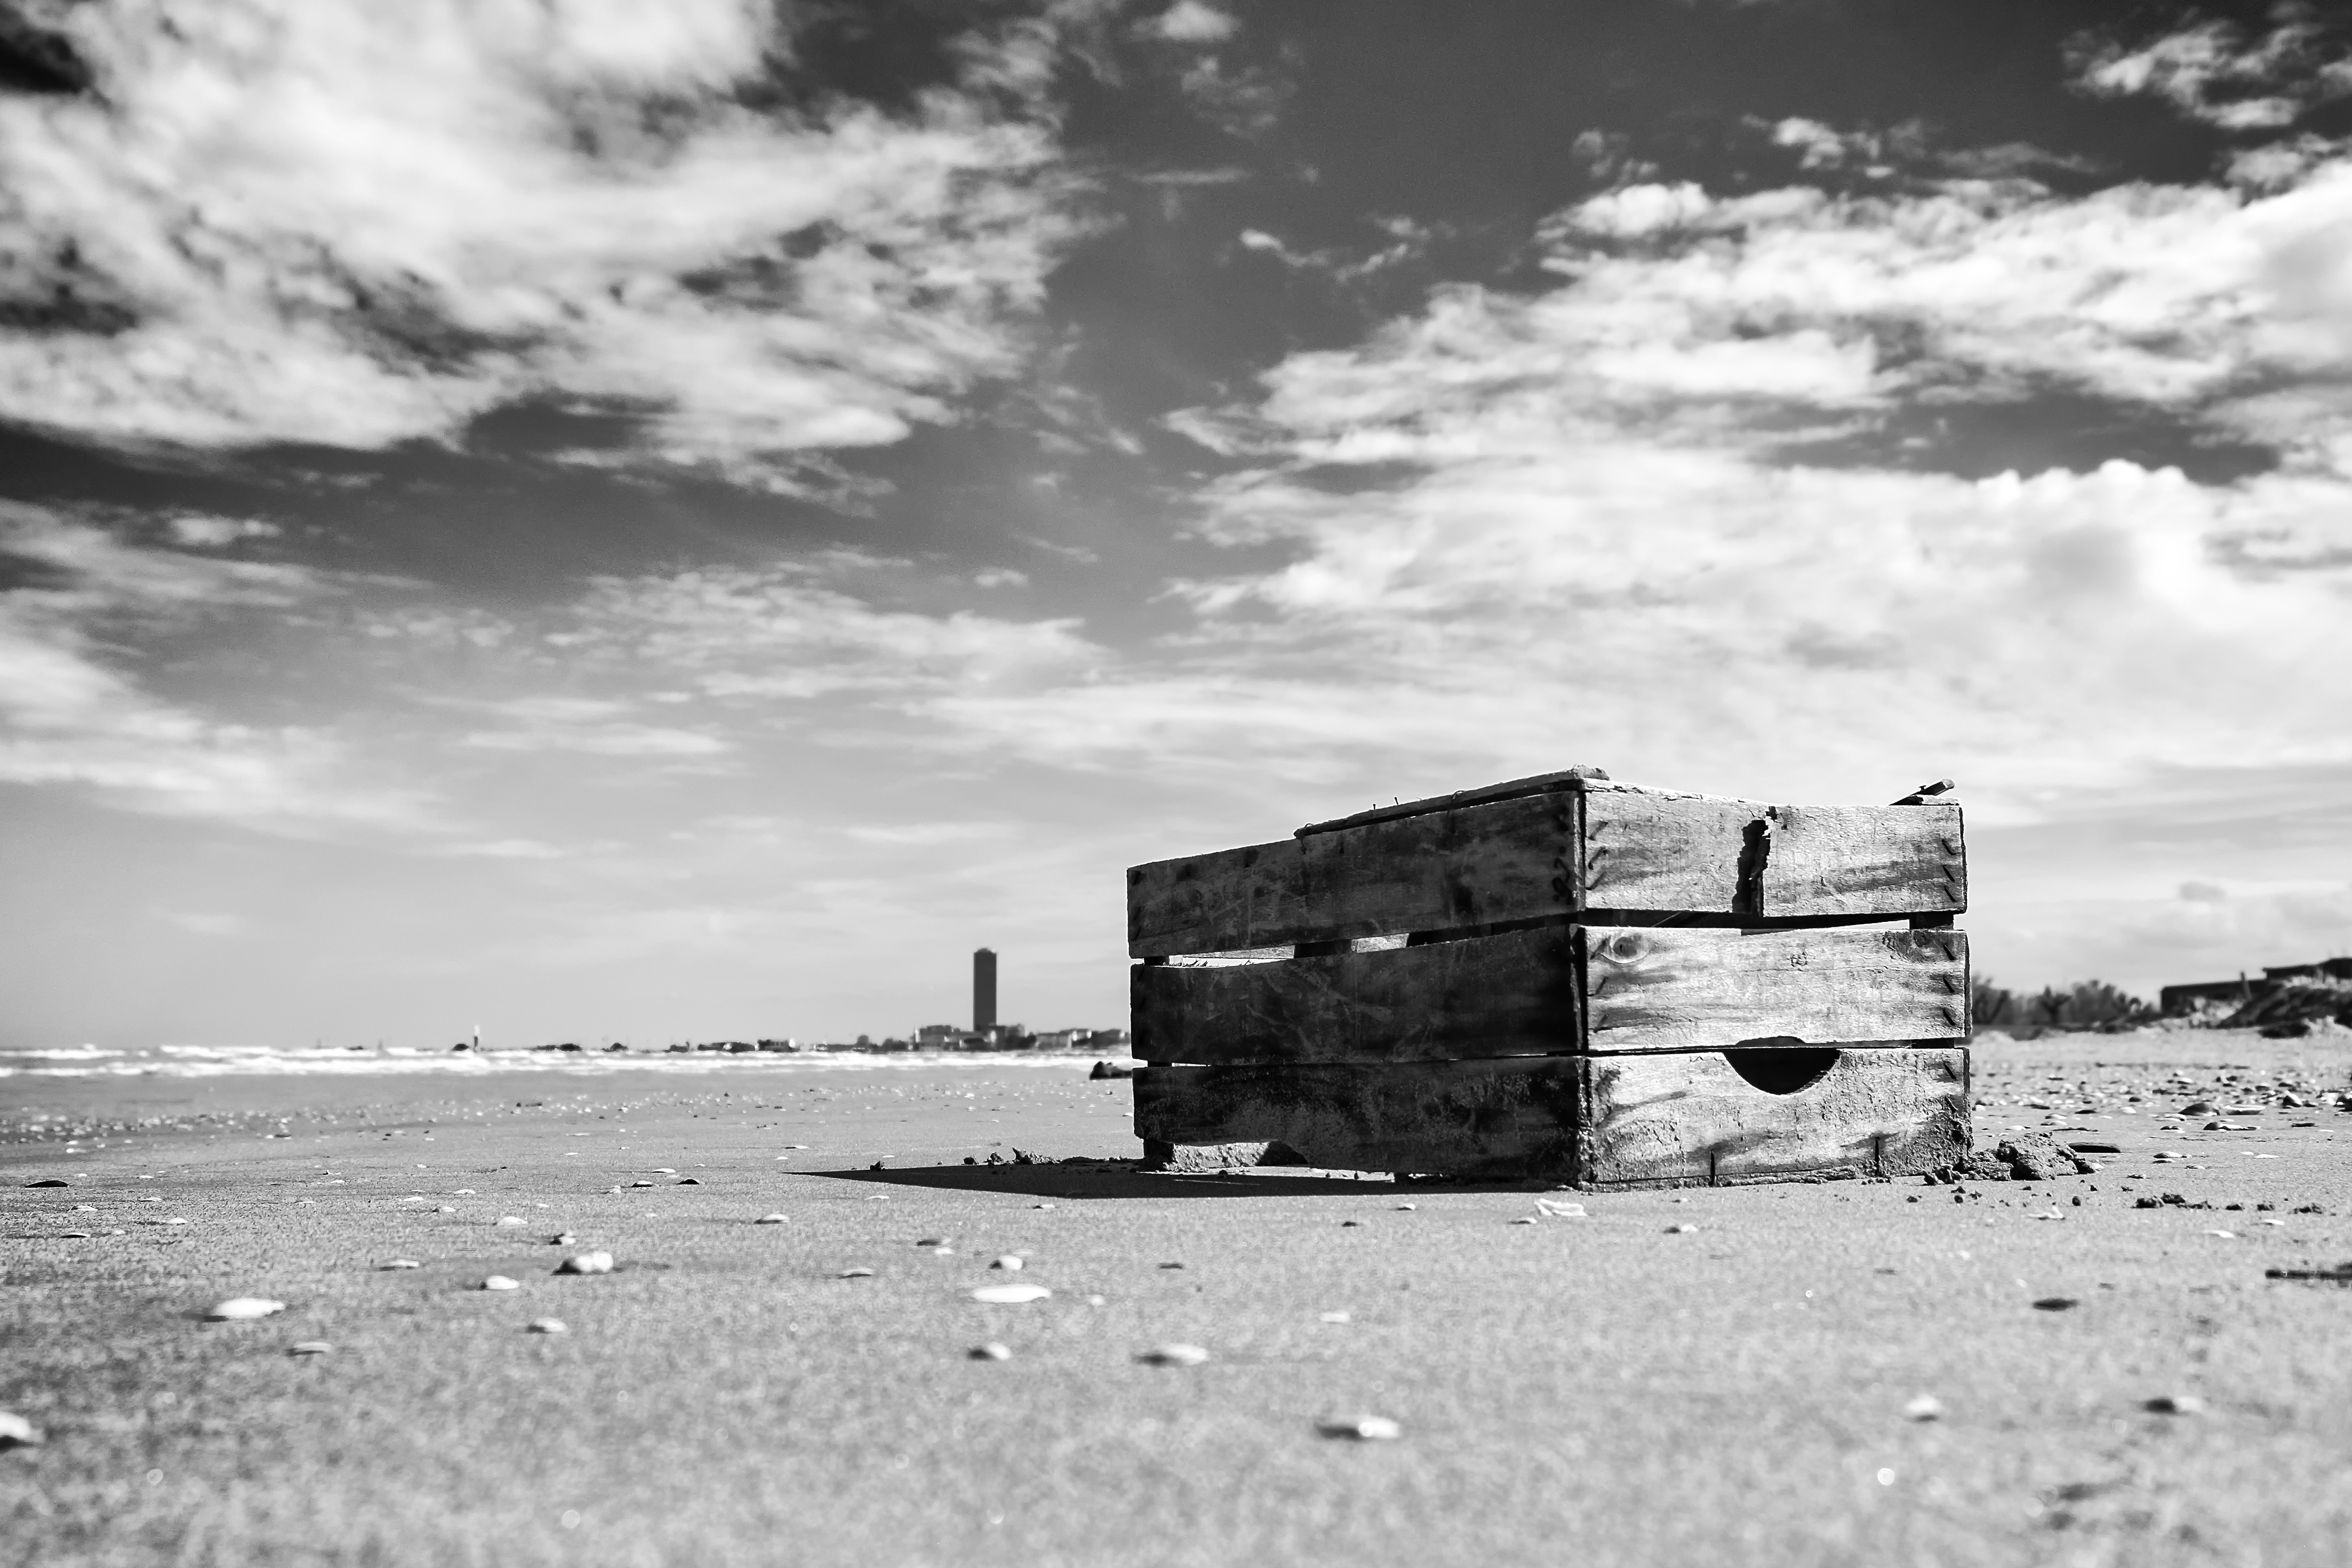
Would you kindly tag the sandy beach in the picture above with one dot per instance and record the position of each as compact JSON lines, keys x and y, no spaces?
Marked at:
{"x":1738,"y":1374}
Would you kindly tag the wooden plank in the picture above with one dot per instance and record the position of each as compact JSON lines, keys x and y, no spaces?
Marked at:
{"x":1654,"y":852}
{"x":1692,"y":1120}
{"x":1866,"y":860}
{"x":1688,"y":1119}
{"x":1681,"y":990}
{"x":1480,"y":865}
{"x":1568,"y":780}
{"x":1601,"y":848}
{"x":1252,"y":897}
{"x":1513,"y":995}
{"x":1560,"y":989}
{"x":1502,"y":1118}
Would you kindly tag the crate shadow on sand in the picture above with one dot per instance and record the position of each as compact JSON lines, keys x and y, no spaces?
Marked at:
{"x":1079,"y":1183}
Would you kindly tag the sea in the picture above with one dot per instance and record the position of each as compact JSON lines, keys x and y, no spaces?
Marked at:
{"x":230,"y":1061}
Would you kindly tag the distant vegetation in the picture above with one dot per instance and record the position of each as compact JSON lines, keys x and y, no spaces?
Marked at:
{"x":2089,"y":1004}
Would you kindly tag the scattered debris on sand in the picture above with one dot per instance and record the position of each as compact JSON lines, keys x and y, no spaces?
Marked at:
{"x":244,"y":1309}
{"x":1009,"y":1295}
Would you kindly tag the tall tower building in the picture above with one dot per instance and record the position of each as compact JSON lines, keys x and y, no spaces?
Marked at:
{"x":983,"y":991}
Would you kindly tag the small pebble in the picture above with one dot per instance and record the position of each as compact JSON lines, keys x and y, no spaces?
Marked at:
{"x":665,"y":1170}
{"x":1174,"y":1355}
{"x":562,"y":1238}
{"x":244,"y":1309}
{"x":586,"y":1263}
{"x":446,"y":1208}
{"x":1172,"y":1266}
{"x":500,"y":1282}
{"x":640,"y":1183}
{"x":15,"y":1432}
{"x":1350,"y":1224}
{"x":508,"y":1221}
{"x":546,"y":1326}
{"x":1009,"y":1295}
{"x":854,"y":1274}
{"x":2176,"y":1404}
{"x":74,"y":1234}
{"x":1560,"y":1209}
{"x":311,"y":1347}
{"x":1404,"y":1208}
{"x":1923,"y":1408}
{"x":1009,"y":1263}
{"x":1683,"y":1229}
{"x":1332,"y":1318}
{"x":1041,"y":1205}
{"x":992,"y":1351}
{"x":1361,"y":1428}
{"x":2057,"y":1304}
{"x":50,"y":1182}
{"x":1525,"y":1219}
{"x":771,"y":1219}
{"x":401,"y":1263}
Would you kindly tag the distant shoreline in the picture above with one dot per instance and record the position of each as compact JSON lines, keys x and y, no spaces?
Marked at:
{"x":237,"y":1061}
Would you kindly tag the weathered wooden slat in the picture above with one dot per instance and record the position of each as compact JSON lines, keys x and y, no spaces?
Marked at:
{"x":1553,"y":853}
{"x":1470,"y":1118}
{"x":1679,"y":990}
{"x":1252,"y":897}
{"x":1567,"y":780}
{"x":1866,"y":860}
{"x":1663,"y":852}
{"x":1689,"y":1118}
{"x":1560,"y":989}
{"x":1479,"y":865}
{"x":1513,"y":995}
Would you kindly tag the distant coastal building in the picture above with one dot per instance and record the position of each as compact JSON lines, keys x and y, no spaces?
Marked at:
{"x":2242,"y":991}
{"x":983,"y":991}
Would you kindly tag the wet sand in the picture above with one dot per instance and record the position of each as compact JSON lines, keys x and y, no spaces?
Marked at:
{"x":1595,"y":1390}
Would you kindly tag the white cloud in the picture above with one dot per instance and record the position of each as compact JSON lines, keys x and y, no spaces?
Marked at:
{"x":1192,"y":22}
{"x":326,"y":221}
{"x":2212,"y":73}
{"x":201,"y":532}
{"x":600,"y":727}
{"x":70,"y":714}
{"x":209,"y":924}
{"x":799,"y":633}
{"x":1571,"y":537}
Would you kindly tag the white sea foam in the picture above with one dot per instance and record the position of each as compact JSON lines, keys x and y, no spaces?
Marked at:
{"x":227,"y":1061}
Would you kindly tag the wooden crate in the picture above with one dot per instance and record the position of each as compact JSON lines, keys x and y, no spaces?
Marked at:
{"x":1568,"y":977}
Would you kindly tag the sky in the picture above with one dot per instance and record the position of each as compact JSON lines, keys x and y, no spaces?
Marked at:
{"x":609,"y":521}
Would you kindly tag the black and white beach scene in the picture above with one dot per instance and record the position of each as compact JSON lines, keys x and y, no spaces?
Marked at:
{"x":1095,"y":783}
